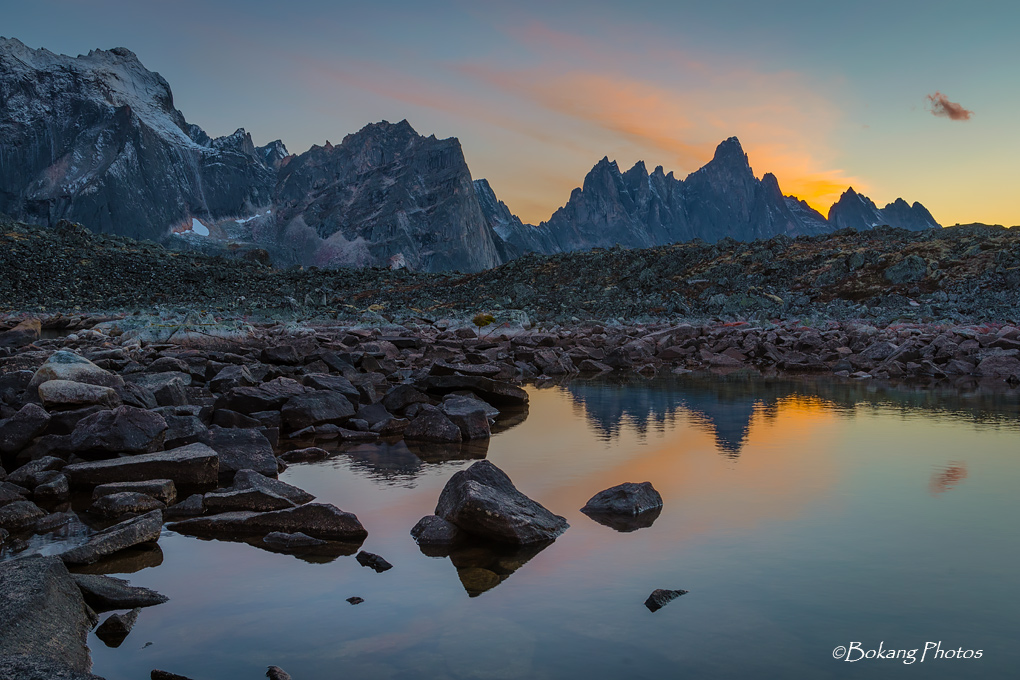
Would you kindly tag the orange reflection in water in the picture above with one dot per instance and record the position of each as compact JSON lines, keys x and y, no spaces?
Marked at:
{"x":945,"y":479}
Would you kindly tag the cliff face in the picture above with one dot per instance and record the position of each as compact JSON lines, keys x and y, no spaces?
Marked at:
{"x":639,"y":210}
{"x":97,"y":140}
{"x":857,"y":211}
{"x":387,"y":193}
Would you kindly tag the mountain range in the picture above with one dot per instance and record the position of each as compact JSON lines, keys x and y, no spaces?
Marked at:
{"x":96,"y":139}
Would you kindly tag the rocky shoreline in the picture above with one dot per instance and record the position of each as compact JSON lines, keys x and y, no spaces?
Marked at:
{"x":124,"y":423}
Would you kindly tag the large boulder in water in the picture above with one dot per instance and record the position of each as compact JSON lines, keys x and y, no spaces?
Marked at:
{"x":135,"y":531}
{"x":483,"y":501}
{"x":44,"y":621}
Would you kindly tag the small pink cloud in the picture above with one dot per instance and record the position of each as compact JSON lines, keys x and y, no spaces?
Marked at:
{"x":939,"y":105}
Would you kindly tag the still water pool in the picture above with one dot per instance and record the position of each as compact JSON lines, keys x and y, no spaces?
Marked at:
{"x":801,"y":517}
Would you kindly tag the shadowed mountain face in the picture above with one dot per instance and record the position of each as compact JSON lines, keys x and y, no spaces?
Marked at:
{"x":857,"y":211}
{"x":97,"y":140}
{"x":723,"y":199}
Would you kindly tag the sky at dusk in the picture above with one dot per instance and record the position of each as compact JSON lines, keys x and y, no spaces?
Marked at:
{"x":824,"y":95}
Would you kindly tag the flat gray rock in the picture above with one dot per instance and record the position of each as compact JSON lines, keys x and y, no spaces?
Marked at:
{"x":105,"y":593}
{"x":245,"y":499}
{"x":318,"y":520}
{"x":242,"y":449}
{"x":194,"y":464}
{"x":135,"y":531}
{"x":42,"y":616}
{"x":160,"y":489}
{"x":116,"y":628}
{"x":250,"y":479}
{"x":628,"y":498}
{"x":67,"y":394}
{"x":116,"y":505}
{"x":20,"y":515}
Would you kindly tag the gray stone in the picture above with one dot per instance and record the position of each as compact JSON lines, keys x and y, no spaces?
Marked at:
{"x":64,"y":422}
{"x":56,"y":489}
{"x":21,"y":428}
{"x":482,"y":500}
{"x":135,"y":531}
{"x":192,"y":506}
{"x":307,"y":454}
{"x":314,"y":408}
{"x":245,"y":499}
{"x":433,"y":426}
{"x":65,"y":394}
{"x":908,"y":270}
{"x":160,"y":489}
{"x":660,"y":598}
{"x":337,"y":383}
{"x":25,"y":333}
{"x":291,"y":542}
{"x":20,"y":515}
{"x":319,"y":520}
{"x":64,"y":365}
{"x":125,"y":429}
{"x":268,"y":396}
{"x":628,"y":498}
{"x":367,"y":559}
{"x":242,"y":449}
{"x":105,"y":593}
{"x":491,"y":391}
{"x":194,"y":464}
{"x":250,"y":479}
{"x":402,"y":396}
{"x":114,"y":505}
{"x":277,"y":673}
{"x":42,"y":617}
{"x":999,"y":365}
{"x":184,"y":430}
{"x":25,"y":475}
{"x":470,"y":415}
{"x":434,"y":530}
{"x":116,"y":628}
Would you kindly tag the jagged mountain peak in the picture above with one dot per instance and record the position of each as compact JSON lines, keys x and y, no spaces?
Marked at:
{"x":730,"y":152}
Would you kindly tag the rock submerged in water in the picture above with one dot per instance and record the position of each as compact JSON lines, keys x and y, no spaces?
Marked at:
{"x":115,"y":629}
{"x":367,"y":559}
{"x":482,"y":501}
{"x":105,"y":593}
{"x":142,"y":529}
{"x":628,"y":498}
{"x":434,"y":530}
{"x":661,"y":597}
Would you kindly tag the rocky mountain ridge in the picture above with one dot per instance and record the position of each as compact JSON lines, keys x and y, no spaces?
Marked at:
{"x":96,"y":140}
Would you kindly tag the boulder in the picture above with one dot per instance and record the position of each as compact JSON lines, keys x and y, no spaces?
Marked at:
{"x":194,"y":464}
{"x":999,"y":365}
{"x":434,"y":530}
{"x":367,"y":559}
{"x":402,"y":396}
{"x":21,"y":428}
{"x":660,"y":598}
{"x":157,"y":674}
{"x":66,"y":394}
{"x":468,"y":414}
{"x":160,"y":489}
{"x":65,"y":365}
{"x":116,"y":627}
{"x":42,"y":617}
{"x":314,"y":408}
{"x":242,"y":449}
{"x":493,"y":392}
{"x":105,"y":593}
{"x":125,"y":429}
{"x":337,"y":383}
{"x":192,"y":506}
{"x":20,"y":515}
{"x":232,"y":376}
{"x":135,"y":531}
{"x":26,"y":474}
{"x":114,"y":505}
{"x":318,"y":520}
{"x":63,"y":422}
{"x":628,"y":498}
{"x":432,"y":426}
{"x":268,"y":396}
{"x":298,"y":541}
{"x":157,"y":381}
{"x":277,"y":673}
{"x":224,"y":417}
{"x":482,"y":500}
{"x":54,"y":490}
{"x":25,"y":333}
{"x":137,"y":396}
{"x":257,"y":500}
{"x":184,"y":430}
{"x":250,"y":479}
{"x":306,"y":454}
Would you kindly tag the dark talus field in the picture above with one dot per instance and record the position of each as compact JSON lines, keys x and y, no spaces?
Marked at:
{"x":947,"y":275}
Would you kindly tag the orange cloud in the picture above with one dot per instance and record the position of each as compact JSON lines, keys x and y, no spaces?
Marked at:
{"x":939,"y":105}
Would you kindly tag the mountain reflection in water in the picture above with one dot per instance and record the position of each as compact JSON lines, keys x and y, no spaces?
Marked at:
{"x":725,"y":405}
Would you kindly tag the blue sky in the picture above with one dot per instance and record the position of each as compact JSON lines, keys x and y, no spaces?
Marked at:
{"x":824,"y":95}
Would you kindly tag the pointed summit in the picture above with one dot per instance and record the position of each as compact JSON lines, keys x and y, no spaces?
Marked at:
{"x":730,"y":153}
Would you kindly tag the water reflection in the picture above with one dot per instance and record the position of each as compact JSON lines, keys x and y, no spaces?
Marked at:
{"x":483,"y":565}
{"x":726,"y":404}
{"x":625,"y":523}
{"x":945,"y":479}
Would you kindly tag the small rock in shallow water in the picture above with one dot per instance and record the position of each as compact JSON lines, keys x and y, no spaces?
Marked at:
{"x":166,"y":675}
{"x":355,"y":600}
{"x":624,"y":499}
{"x":277,"y":673}
{"x":660,"y":598}
{"x":105,"y":593}
{"x":116,"y":627}
{"x":367,"y":559}
{"x":434,"y":530}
